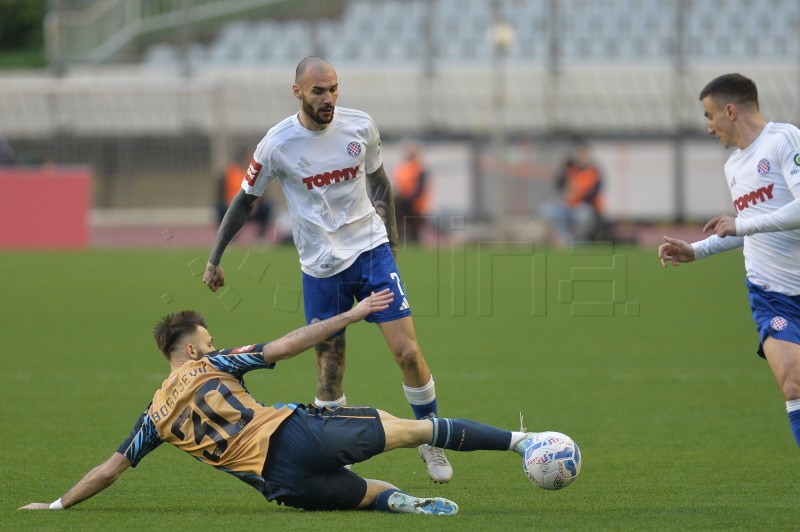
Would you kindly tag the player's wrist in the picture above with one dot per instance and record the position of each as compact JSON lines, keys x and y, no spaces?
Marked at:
{"x":57,"y":505}
{"x":739,"y":224}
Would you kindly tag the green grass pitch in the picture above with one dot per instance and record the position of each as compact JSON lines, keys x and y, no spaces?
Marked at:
{"x":653,"y":373}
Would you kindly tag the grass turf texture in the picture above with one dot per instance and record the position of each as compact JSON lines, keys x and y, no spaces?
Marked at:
{"x":680,"y":424}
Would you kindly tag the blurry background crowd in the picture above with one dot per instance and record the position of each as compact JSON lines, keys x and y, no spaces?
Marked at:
{"x":493,"y":99}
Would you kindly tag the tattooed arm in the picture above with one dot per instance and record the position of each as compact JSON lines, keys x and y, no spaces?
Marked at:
{"x":379,"y":189}
{"x":234,"y":220}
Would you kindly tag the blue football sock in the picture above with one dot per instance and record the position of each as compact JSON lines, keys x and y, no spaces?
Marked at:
{"x":794,"y":421}
{"x":381,"y":502}
{"x":422,"y":399}
{"x":793,"y":409}
{"x":426,"y":410}
{"x":466,"y":435}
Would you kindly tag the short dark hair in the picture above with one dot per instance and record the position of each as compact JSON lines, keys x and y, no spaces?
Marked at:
{"x":731,"y":87}
{"x":173,"y":327}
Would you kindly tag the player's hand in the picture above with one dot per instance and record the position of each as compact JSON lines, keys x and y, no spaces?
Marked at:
{"x":214,"y":277}
{"x":721,"y":226}
{"x":675,"y":251}
{"x":36,"y":506}
{"x":374,"y":303}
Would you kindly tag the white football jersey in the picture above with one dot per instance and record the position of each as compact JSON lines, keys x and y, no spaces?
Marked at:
{"x":323,"y":176}
{"x":763,"y":178}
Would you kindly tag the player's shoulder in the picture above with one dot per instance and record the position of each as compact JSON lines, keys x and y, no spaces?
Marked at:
{"x":277,"y":135}
{"x":356,"y":116}
{"x":784,"y":133}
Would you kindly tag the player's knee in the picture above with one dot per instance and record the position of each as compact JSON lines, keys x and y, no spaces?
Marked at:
{"x":406,"y":433}
{"x":791,"y":390}
{"x":408,"y":356}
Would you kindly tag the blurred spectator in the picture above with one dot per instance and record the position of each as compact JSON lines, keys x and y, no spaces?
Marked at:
{"x":411,"y":200}
{"x":577,"y":217}
{"x":231,"y":183}
{"x":7,"y":157}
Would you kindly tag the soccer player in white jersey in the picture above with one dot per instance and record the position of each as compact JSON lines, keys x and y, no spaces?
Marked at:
{"x":763,"y":174}
{"x":329,"y":163}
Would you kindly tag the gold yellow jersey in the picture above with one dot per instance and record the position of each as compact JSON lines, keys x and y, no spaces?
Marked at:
{"x":203,"y":408}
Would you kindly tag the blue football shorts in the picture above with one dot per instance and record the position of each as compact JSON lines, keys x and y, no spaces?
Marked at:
{"x":373,"y":271}
{"x":775,"y":314}
{"x":307,"y":454}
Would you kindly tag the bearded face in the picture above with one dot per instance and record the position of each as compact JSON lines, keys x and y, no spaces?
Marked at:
{"x":321,"y":112}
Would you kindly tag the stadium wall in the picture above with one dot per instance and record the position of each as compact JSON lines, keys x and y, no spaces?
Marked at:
{"x":158,"y":139}
{"x":45,"y":207}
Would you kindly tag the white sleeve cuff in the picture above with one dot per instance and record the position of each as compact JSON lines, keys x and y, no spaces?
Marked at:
{"x":699,"y":250}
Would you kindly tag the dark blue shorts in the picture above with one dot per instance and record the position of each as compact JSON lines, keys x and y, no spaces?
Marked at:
{"x":373,"y":271}
{"x":307,"y":454}
{"x":776,"y":315}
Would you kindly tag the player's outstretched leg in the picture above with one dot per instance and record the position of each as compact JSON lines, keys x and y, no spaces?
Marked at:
{"x":448,"y":433}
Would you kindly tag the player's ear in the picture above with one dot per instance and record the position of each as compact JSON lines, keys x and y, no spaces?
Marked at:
{"x":297,"y":92}
{"x":191,"y":351}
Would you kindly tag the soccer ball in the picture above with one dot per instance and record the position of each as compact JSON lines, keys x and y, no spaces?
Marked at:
{"x":551,"y":460}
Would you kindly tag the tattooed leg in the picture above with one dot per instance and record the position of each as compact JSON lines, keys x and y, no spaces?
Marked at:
{"x":330,"y":368}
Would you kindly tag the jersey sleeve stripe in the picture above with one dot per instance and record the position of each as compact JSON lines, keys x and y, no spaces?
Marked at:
{"x":348,"y":113}
{"x":143,"y":439}
{"x":278,"y":130}
{"x":272,"y":140}
{"x":239,"y":364}
{"x":790,"y":133}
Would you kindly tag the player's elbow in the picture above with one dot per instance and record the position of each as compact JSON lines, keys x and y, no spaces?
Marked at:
{"x":104,"y":476}
{"x":247,"y":200}
{"x":110,"y":470}
{"x":242,"y":203}
{"x":278,"y":350}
